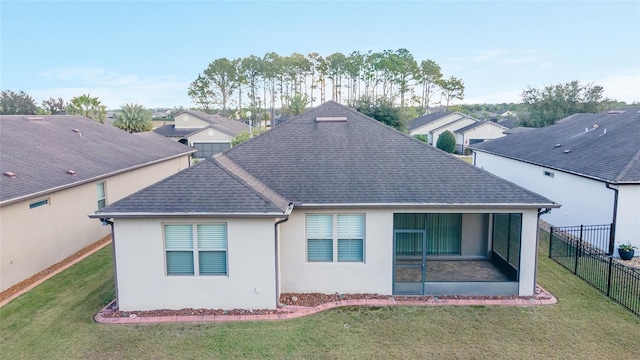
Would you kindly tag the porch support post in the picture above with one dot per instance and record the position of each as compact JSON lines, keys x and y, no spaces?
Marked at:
{"x":528,"y":253}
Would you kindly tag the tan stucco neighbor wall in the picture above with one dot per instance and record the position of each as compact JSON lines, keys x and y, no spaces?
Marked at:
{"x":33,"y":239}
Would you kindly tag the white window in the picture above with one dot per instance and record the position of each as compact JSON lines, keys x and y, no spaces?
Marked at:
{"x":344,"y":232}
{"x":101,"y":191}
{"x":196,"y":249}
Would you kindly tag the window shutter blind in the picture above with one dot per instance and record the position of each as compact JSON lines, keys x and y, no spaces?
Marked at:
{"x":212,"y":236}
{"x":213,"y":262}
{"x":350,"y":250}
{"x":350,"y":226}
{"x":319,"y":226}
{"x":179,"y":263}
{"x":178,"y":237}
{"x":320,"y":250}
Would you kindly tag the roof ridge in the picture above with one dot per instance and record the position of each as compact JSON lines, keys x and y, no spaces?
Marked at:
{"x":245,"y":177}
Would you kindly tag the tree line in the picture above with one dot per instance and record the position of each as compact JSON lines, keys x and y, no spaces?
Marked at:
{"x":130,"y":117}
{"x":274,"y":81}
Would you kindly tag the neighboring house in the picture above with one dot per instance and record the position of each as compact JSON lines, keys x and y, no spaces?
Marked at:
{"x":476,"y":133}
{"x":208,"y":134}
{"x":485,"y":115}
{"x":465,"y":128}
{"x":318,"y":205}
{"x":56,"y":169}
{"x":590,"y":163}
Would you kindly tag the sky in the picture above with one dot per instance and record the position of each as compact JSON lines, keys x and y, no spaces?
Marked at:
{"x":148,"y":52}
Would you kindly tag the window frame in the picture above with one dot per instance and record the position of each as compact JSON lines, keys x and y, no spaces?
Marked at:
{"x":336,"y":239}
{"x":102,"y":198}
{"x":196,"y":249}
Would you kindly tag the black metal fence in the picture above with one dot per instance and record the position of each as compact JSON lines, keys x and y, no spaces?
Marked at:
{"x":596,"y":266}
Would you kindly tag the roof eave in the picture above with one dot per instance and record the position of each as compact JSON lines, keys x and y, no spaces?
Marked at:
{"x":137,"y":215}
{"x":95,"y":178}
{"x":433,"y":205}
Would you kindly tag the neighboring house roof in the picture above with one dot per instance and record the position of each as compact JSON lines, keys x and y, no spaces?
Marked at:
{"x":170,"y":130}
{"x":221,"y":123}
{"x":516,"y":130}
{"x":40,"y":150}
{"x":333,"y":163}
{"x":477,"y":124}
{"x":508,"y":123}
{"x":602,"y":146}
{"x":427,"y":119}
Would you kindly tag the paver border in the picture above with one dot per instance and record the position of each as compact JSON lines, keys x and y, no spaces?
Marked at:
{"x":543,"y":297}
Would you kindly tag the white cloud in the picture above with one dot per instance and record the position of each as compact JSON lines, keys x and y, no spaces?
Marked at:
{"x":624,"y":86}
{"x":114,"y":89}
{"x":487,"y":55}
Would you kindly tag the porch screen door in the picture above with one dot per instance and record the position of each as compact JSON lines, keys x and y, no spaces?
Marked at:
{"x":409,"y":262}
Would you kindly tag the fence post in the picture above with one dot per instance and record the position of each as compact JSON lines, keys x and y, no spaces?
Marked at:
{"x":609,"y":276}
{"x":578,"y":248}
{"x":550,"y":240}
{"x":612,"y":237}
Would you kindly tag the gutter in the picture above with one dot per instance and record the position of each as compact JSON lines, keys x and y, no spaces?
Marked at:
{"x":182,"y":214}
{"x":276,"y":251}
{"x":433,"y":205}
{"x":107,"y":222}
{"x":614,"y":219}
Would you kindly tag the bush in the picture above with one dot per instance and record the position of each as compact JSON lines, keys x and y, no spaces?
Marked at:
{"x":447,"y":142}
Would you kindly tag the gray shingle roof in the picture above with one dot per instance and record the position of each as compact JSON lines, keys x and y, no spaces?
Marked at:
{"x":601,"y":146}
{"x":427,"y":119}
{"x":205,"y":188}
{"x":40,"y":152}
{"x":362,"y":161}
{"x":357,"y":162}
{"x":170,"y":130}
{"x":221,"y":123}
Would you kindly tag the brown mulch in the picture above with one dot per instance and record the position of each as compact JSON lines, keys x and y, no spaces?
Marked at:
{"x":291,"y":299}
{"x":17,"y":288}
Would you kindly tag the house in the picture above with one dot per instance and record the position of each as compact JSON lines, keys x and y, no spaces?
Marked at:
{"x":476,"y":133}
{"x":590,"y":163}
{"x":466,"y":129}
{"x":328,"y":201}
{"x":57,"y":168}
{"x":208,"y":134}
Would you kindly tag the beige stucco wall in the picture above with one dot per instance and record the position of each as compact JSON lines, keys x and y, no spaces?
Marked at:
{"x":451,"y":127}
{"x":187,"y":121}
{"x":144,"y":285}
{"x":628,"y":220}
{"x":210,"y":135}
{"x":425,"y":129}
{"x":33,"y":239}
{"x":486,"y":131}
{"x":375,"y":274}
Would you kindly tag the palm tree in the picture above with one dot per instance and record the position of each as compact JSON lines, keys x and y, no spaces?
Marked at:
{"x":133,"y":118}
{"x":87,"y":106}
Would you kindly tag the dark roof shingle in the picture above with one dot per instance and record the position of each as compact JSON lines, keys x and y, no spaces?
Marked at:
{"x":603,"y":146}
{"x":40,"y":152}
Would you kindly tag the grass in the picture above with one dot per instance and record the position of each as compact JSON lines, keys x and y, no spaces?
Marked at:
{"x":54,"y":321}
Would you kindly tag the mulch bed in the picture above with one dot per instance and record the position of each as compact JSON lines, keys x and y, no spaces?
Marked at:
{"x":19,"y":287}
{"x":294,"y":299}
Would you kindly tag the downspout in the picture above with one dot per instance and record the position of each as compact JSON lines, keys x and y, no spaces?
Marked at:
{"x":108,"y":222}
{"x":614,"y":219}
{"x":535,"y":274}
{"x":277,"y":254}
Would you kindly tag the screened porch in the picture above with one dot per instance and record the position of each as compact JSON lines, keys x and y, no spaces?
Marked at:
{"x":456,"y":254}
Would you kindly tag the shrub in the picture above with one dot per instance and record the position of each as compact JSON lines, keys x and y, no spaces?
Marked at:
{"x":447,"y":142}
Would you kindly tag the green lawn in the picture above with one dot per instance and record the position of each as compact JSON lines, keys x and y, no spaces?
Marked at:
{"x":54,"y":321}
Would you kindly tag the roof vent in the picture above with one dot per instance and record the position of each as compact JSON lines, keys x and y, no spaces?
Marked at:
{"x":567,"y":151}
{"x":35,"y":118}
{"x":71,"y":172}
{"x":330,"y":119}
{"x":76,"y":130}
{"x":10,"y":174}
{"x":558,"y":145}
{"x":616,"y":112}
